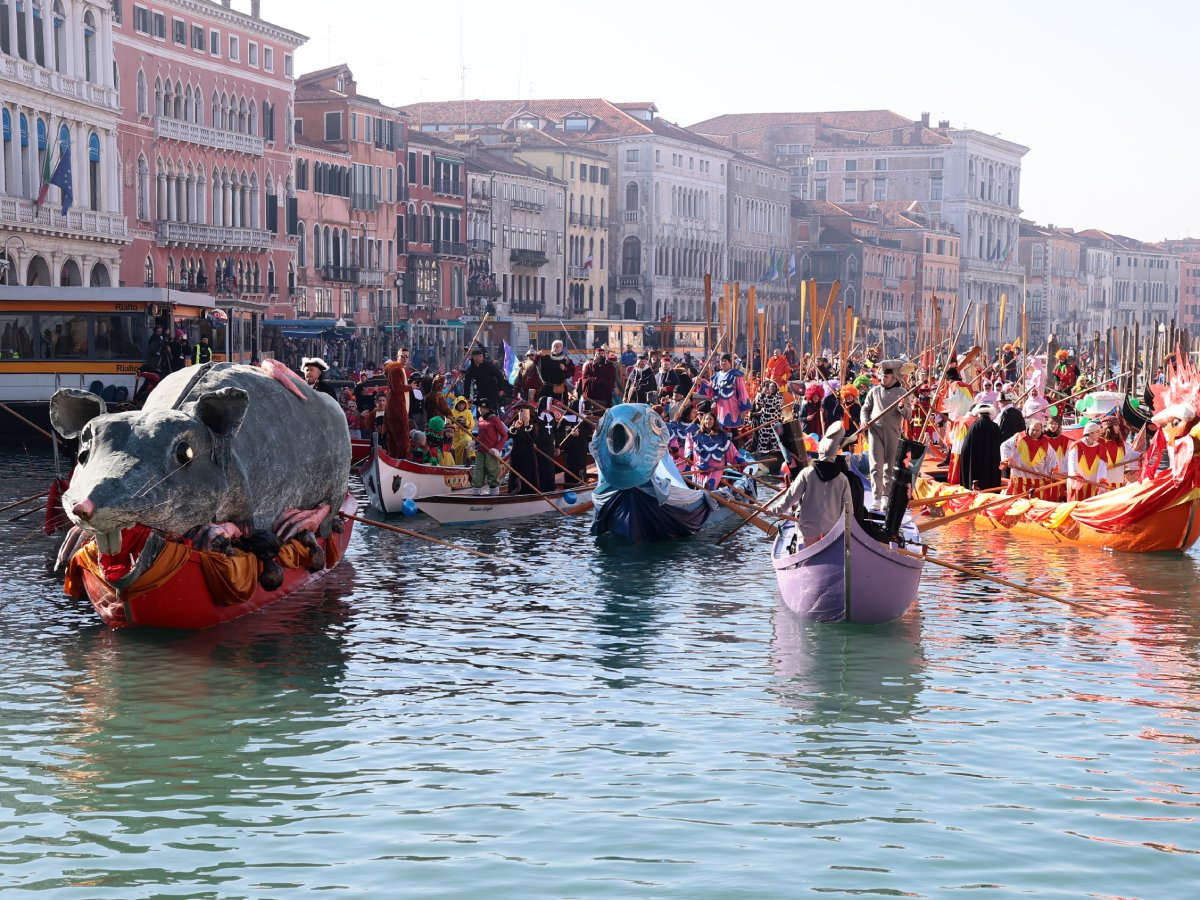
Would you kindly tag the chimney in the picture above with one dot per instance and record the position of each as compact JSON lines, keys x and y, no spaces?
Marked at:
{"x":924,"y":120}
{"x":256,"y":9}
{"x":225,"y":3}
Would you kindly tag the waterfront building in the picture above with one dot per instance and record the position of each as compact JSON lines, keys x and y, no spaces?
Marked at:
{"x":206,"y":146}
{"x":517,"y":244}
{"x":60,"y":103}
{"x":434,"y":239}
{"x":1056,"y":283}
{"x":349,"y":184}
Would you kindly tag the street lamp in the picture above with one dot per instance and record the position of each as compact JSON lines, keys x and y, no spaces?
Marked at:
{"x":6,"y":265}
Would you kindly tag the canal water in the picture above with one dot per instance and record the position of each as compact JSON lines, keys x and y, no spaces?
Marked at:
{"x":599,"y":721}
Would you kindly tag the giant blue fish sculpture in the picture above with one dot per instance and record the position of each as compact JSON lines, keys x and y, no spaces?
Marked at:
{"x":640,"y":495}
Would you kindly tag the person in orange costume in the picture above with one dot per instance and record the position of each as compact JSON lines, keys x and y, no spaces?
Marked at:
{"x":399,"y":391}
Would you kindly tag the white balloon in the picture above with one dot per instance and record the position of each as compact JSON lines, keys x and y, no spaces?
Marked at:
{"x":408,"y":491}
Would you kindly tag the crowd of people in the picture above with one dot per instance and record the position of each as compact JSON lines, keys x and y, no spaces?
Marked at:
{"x":989,"y":420}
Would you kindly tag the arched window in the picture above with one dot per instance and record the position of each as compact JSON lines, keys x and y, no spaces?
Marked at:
{"x":143,"y":189}
{"x":602,"y":298}
{"x":59,"y":30}
{"x":94,"y":172}
{"x":141,"y":93}
{"x":148,"y":271}
{"x":631,"y":256}
{"x":177,"y":107}
{"x":316,"y":247}
{"x":631,"y":196}
{"x":301,"y":246}
{"x":89,"y":47}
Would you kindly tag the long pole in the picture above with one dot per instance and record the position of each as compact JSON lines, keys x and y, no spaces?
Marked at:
{"x":975,"y":573}
{"x":422,"y":537}
{"x":478,"y":331}
{"x":524,"y":481}
{"x":695,"y":383}
{"x":707,"y":311}
{"x":942,"y":378}
{"x":938,"y":523}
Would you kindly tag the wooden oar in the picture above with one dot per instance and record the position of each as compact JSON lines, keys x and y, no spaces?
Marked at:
{"x":23,"y":502}
{"x":938,"y":523}
{"x":35,"y":427}
{"x":742,"y":524}
{"x":522,"y":479}
{"x":547,"y":456}
{"x":696,"y":382}
{"x":975,"y":573}
{"x":423,"y":537}
{"x":946,"y":498}
{"x":746,"y":516}
{"x":937,"y":391}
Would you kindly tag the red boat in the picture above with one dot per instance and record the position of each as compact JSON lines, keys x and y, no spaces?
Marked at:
{"x":360,"y":451}
{"x":192,"y":589}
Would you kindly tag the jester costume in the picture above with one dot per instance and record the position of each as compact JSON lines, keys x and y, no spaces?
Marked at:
{"x":1029,"y":454}
{"x":709,"y":455}
{"x":1066,"y":373}
{"x":731,"y":399}
{"x":1088,"y":471}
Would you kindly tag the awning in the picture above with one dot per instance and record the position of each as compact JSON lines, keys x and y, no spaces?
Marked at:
{"x":302,"y":332}
{"x":319,"y":324}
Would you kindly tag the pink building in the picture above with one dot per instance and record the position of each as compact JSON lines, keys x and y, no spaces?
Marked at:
{"x":205,"y":138}
{"x":349,"y":184}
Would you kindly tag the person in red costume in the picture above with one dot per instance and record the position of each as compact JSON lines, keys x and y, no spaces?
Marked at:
{"x":399,"y":393}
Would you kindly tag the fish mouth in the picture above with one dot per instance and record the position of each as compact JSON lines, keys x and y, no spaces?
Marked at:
{"x":623,"y":441}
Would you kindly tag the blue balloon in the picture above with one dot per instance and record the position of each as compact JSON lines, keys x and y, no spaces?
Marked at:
{"x":570,"y":497}
{"x":409,"y":507}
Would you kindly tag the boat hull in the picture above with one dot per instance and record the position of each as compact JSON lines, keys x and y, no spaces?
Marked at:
{"x":466,"y":508}
{"x":869,"y":585}
{"x":386,"y":477}
{"x":1174,"y":528}
{"x":185,"y":602}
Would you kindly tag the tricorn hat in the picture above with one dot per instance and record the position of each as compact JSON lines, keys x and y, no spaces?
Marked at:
{"x":315,"y":361}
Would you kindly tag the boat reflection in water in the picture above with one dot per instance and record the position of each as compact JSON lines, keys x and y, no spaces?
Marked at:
{"x":847,"y":673}
{"x":158,"y":721}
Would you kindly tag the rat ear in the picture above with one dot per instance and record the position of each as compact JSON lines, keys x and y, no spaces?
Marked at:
{"x":222,"y":411}
{"x":71,"y":409}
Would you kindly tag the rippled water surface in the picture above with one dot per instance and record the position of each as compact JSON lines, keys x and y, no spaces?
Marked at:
{"x":600,"y":721}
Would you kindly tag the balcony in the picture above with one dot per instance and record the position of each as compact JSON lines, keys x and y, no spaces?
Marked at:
{"x":533,"y":258}
{"x":189,"y":234}
{"x":480,"y":245}
{"x":371,"y":277}
{"x":343,"y":274}
{"x":191,"y":133}
{"x":528,"y":205}
{"x":482,"y":286}
{"x":448,"y":186}
{"x":891,"y":284}
{"x":629,"y":281}
{"x":480,"y":194}
{"x":582,"y":272}
{"x":79,"y":223}
{"x":604,"y":221}
{"x":573,"y":219}
{"x":449,"y":248}
{"x":527,"y":307}
{"x":631,"y":216}
{"x":18,"y":71}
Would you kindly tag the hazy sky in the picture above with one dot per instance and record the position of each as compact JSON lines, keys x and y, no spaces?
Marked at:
{"x":1103,"y":93}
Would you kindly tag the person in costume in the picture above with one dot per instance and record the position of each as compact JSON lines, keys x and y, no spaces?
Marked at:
{"x":419,"y":451}
{"x":573,"y":435}
{"x":399,"y":393}
{"x":485,"y":477}
{"x":709,"y":451}
{"x":778,"y":368}
{"x":884,"y":428}
{"x":640,"y":384}
{"x":314,"y":373}
{"x":1030,"y":458}
{"x":598,"y":380}
{"x":1060,"y":446}
{"x":812,"y":410}
{"x":1066,"y":373}
{"x":464,"y":424}
{"x":554,"y":367}
{"x":521,"y":458}
{"x":440,"y":442}
{"x":1087,"y":470}
{"x":979,"y":461}
{"x":1115,"y":450}
{"x":681,"y":431}
{"x":545,"y":426}
{"x":731,"y":400}
{"x":820,"y":494}
{"x":1011,"y":421}
{"x":766,"y":411}
{"x":482,"y":378}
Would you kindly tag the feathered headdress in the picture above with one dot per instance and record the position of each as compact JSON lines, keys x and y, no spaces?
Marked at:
{"x":1181,"y":399}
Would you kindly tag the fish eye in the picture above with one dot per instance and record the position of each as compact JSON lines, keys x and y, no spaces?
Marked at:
{"x":184,"y":453}
{"x":656,"y":424}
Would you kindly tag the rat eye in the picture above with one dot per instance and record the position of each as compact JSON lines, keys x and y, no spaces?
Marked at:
{"x":183,"y":453}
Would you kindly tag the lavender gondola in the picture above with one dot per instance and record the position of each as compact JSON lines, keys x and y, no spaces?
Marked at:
{"x":846,"y":576}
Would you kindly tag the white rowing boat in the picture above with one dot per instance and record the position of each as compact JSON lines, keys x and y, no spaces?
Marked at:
{"x":467,"y":508}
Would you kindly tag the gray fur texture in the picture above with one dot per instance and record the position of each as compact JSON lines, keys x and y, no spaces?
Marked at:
{"x":226,"y":444}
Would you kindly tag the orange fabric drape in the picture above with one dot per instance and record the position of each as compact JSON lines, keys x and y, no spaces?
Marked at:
{"x":170,"y":560}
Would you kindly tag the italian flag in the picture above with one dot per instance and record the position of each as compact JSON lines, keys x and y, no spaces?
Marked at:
{"x":47,"y":174}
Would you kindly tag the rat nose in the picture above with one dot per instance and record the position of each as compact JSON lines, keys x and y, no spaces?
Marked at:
{"x":84,"y":509}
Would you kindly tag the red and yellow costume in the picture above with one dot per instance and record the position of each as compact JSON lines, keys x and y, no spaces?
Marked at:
{"x":1088,"y":470}
{"x":1033,"y":455}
